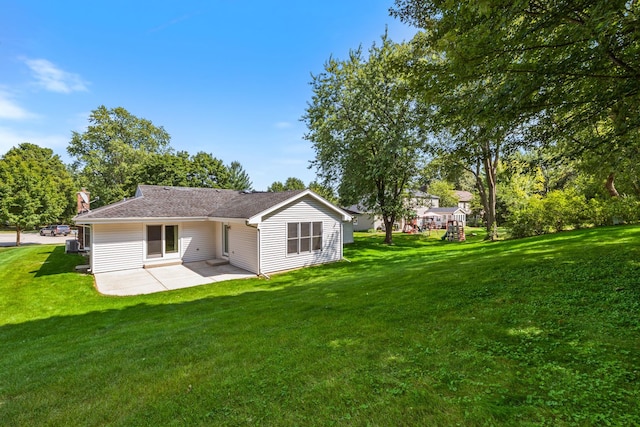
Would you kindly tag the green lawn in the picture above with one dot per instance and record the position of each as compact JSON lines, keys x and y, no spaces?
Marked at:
{"x":540,"y":331}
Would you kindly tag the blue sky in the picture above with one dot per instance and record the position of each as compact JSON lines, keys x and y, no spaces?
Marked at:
{"x":226,"y":77}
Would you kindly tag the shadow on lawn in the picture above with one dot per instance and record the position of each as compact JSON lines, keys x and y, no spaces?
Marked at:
{"x":58,"y":262}
{"x":246,"y":354}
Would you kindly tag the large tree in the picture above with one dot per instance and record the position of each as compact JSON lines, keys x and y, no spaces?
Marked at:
{"x":109,"y":154}
{"x":292,"y":183}
{"x":165,"y":169}
{"x":35,"y":188}
{"x":575,"y":65}
{"x":472,"y":121}
{"x":324,"y":191}
{"x":238,"y":177}
{"x":200,"y":170}
{"x":207,"y":171}
{"x":365,"y":127}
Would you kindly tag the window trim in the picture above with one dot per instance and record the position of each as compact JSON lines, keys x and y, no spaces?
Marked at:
{"x":315,"y":235}
{"x":164,"y":252}
{"x":225,"y":239}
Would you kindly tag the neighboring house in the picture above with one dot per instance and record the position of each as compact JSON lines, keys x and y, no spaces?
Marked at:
{"x":464,"y":200}
{"x":363,"y":220}
{"x":347,"y":227}
{"x":417,"y":201}
{"x":259,"y":232}
{"x":440,"y":216}
{"x":420,"y":202}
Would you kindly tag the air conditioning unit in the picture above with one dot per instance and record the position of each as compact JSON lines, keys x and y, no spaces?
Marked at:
{"x":71,"y":246}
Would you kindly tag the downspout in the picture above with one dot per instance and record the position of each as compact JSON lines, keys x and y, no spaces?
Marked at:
{"x":341,"y":240}
{"x":90,"y":247}
{"x":260,"y":273}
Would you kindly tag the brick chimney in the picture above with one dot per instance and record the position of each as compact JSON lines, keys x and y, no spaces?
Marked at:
{"x":83,"y":200}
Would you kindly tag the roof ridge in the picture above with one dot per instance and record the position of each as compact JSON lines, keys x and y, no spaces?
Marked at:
{"x":179,"y":187}
{"x":107,"y":208}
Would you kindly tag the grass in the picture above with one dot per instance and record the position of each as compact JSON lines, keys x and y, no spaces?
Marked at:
{"x":539,"y":331}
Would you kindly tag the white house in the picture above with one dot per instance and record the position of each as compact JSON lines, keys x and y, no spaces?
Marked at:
{"x":464,"y":200}
{"x":260,"y":232}
{"x":440,"y":216}
{"x":416,"y":201}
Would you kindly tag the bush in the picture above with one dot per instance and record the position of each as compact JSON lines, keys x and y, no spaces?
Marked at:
{"x":528,"y":220}
{"x":618,"y":210}
{"x":561,"y":209}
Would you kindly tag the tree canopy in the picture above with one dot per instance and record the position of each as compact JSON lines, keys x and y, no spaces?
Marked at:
{"x":238,"y":177}
{"x":118,"y":151}
{"x":292,"y":183}
{"x":510,"y":75}
{"x":572,"y":68}
{"x":109,"y":154}
{"x":365,"y":128}
{"x":35,"y":188}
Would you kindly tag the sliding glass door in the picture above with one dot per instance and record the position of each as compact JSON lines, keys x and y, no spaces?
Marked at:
{"x":161,"y":240}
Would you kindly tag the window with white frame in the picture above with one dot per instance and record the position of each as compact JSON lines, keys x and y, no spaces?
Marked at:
{"x":161,"y":240}
{"x":304,"y":237}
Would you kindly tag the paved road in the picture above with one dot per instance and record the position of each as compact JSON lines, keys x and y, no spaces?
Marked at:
{"x":32,"y":238}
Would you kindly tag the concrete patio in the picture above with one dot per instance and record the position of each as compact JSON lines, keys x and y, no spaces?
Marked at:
{"x":158,"y":279}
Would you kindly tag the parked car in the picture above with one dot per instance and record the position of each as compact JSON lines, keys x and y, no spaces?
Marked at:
{"x":55,"y":230}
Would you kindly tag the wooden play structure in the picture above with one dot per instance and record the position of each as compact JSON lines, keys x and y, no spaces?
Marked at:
{"x":455,"y":231}
{"x":411,"y":226}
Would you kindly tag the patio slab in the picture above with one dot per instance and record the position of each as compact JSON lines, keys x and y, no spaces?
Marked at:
{"x":158,"y":279}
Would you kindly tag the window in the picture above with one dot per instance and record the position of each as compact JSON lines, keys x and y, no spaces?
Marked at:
{"x":161,"y":240}
{"x":225,"y":239}
{"x":154,"y":241}
{"x":292,"y":238}
{"x":317,"y":236}
{"x":304,"y":237}
{"x":170,"y":239}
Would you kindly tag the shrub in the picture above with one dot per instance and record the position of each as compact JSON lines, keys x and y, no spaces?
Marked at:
{"x":618,"y":210}
{"x":566,"y":208}
{"x":528,"y":220}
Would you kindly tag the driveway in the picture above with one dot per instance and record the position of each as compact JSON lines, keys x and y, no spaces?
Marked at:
{"x":158,"y":279}
{"x":8,"y":238}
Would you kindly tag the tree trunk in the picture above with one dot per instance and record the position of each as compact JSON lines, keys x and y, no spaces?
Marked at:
{"x":490,"y":171}
{"x":492,"y":226}
{"x":610,"y":185}
{"x":484,"y":197}
{"x":388,"y":229}
{"x":17,"y":235}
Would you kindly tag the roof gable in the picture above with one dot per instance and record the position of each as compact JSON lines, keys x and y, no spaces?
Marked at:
{"x":257,"y":218}
{"x":445,"y":210}
{"x":463,"y":196}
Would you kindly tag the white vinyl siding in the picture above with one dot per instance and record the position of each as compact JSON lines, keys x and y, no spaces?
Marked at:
{"x":243,"y":247}
{"x":198,"y":241}
{"x":116,"y":247}
{"x":273,"y":236}
{"x":347,"y":232}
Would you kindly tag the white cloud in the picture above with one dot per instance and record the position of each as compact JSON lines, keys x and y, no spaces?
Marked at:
{"x":10,"y":110}
{"x":283,"y":125}
{"x":53,"y":78}
{"x":171,"y":23}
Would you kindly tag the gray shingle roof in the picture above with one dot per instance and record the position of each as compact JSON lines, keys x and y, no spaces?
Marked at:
{"x":155,"y":201}
{"x":463,"y":196}
{"x":446,"y":210}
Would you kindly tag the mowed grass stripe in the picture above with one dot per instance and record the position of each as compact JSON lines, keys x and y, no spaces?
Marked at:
{"x":525,"y":332}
